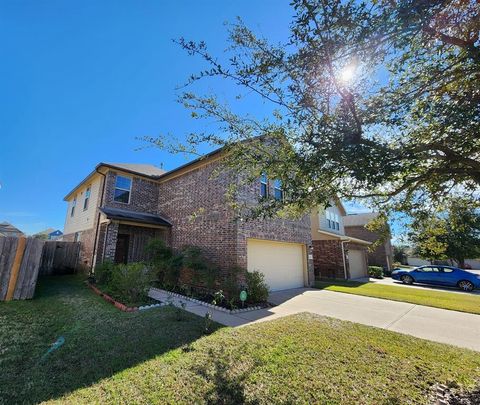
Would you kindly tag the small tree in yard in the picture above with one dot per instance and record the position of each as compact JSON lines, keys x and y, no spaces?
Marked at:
{"x":399,"y":254}
{"x":463,"y":233}
{"x":452,"y":234}
{"x":429,"y":239}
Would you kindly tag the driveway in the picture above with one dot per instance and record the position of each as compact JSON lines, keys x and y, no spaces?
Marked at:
{"x":439,"y":325}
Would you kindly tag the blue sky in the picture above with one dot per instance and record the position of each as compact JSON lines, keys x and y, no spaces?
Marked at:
{"x":82,"y":80}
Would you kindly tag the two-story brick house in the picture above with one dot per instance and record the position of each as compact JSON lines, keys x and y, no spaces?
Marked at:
{"x":119,"y":207}
{"x":336,"y":254}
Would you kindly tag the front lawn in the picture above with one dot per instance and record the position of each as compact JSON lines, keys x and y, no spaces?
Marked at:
{"x":100,"y":340}
{"x":439,"y":299}
{"x":148,"y":357}
{"x":297,"y":359}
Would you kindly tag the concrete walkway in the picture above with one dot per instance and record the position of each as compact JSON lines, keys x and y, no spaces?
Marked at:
{"x":439,"y":325}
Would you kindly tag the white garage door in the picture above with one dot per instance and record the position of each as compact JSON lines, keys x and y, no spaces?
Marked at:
{"x":281,"y":263}
{"x":357,"y":263}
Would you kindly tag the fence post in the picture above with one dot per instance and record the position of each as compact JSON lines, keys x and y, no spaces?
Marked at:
{"x":15,"y":268}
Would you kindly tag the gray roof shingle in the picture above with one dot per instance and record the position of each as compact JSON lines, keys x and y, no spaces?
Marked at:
{"x":134,"y":216}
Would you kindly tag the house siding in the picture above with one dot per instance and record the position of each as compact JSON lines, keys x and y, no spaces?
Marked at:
{"x":378,"y":257}
{"x":83,"y":219}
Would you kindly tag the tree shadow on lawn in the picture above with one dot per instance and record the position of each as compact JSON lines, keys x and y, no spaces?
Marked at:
{"x":100,"y":340}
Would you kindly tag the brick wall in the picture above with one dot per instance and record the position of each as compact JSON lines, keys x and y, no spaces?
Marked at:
{"x":143,"y":195}
{"x":328,"y":259}
{"x":196,"y":205}
{"x":379,"y":256}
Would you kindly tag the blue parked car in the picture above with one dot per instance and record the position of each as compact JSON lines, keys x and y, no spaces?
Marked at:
{"x":438,"y":275}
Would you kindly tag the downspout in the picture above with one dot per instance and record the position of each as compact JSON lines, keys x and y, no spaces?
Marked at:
{"x":95,"y":244}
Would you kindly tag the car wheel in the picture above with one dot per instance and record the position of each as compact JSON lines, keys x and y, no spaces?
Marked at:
{"x":406,"y":279}
{"x":465,"y":285}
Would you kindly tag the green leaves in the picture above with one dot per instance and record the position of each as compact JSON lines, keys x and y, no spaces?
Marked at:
{"x":453,"y":233}
{"x":402,"y":133}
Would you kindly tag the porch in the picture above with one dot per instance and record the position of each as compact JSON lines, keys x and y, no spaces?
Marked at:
{"x":124,"y":235}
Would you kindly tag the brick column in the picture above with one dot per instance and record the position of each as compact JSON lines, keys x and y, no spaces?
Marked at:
{"x":111,"y":241}
{"x":310,"y":267}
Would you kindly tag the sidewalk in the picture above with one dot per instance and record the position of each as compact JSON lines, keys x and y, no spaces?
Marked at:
{"x":439,"y":325}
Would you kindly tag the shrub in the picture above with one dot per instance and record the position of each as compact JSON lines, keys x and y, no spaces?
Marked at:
{"x":230,"y":284}
{"x":257,"y":289}
{"x":130,"y":283}
{"x":375,"y":271}
{"x":103,"y":272}
{"x":158,"y":252}
{"x":204,"y":272}
{"x":160,"y":256}
{"x":171,"y":271}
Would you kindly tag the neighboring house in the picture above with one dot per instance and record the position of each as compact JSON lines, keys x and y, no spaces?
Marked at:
{"x":355,"y":227}
{"x":49,"y":234}
{"x":7,"y":229}
{"x":335,"y":254}
{"x":117,"y":208}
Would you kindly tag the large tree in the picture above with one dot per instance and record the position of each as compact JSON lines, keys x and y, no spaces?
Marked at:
{"x":377,"y":100}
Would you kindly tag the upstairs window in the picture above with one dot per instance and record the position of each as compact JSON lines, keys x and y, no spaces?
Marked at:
{"x":333,"y":220}
{"x":277,"y":190}
{"x":87,"y":199}
{"x":74,"y":203}
{"x":123,"y":187}
{"x":264,"y":185}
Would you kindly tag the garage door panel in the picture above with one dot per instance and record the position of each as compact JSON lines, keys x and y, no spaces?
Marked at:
{"x":357,"y":263}
{"x":281,"y":263}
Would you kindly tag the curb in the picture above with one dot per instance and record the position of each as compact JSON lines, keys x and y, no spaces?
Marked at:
{"x":204,"y":304}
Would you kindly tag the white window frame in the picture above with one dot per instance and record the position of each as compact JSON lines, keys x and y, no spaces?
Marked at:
{"x":264,"y":182}
{"x":123,"y":189}
{"x":86,"y":201}
{"x":275,"y":188}
{"x":74,"y":204}
{"x":332,"y":220}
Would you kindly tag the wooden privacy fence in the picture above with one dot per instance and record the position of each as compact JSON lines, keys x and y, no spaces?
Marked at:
{"x":22,"y":258}
{"x":59,"y":258}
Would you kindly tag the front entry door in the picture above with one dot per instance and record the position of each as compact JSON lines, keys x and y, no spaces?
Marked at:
{"x":121,"y":251}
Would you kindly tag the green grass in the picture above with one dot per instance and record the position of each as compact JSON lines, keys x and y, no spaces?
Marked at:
{"x":438,"y":299}
{"x":149,"y":357}
{"x":100,"y":340}
{"x":297,"y":359}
